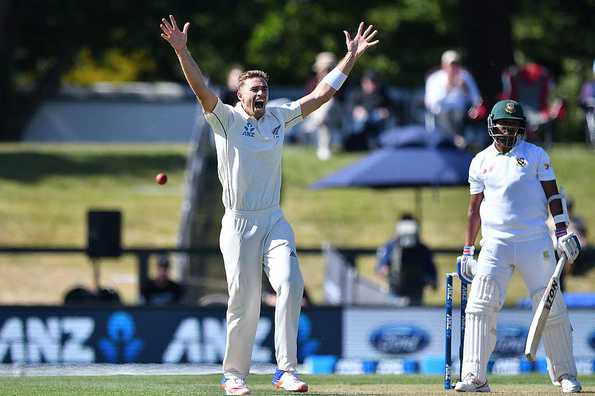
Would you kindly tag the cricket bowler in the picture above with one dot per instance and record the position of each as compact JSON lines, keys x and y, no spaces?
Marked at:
{"x":254,"y":233}
{"x":512,"y":184}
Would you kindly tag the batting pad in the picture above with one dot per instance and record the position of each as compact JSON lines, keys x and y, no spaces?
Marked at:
{"x":557,"y":339}
{"x":480,"y":323}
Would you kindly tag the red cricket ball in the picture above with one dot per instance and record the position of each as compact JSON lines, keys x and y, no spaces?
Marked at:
{"x":161,"y":178}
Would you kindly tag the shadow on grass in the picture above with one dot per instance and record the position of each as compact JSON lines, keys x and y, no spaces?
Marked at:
{"x":31,"y":167}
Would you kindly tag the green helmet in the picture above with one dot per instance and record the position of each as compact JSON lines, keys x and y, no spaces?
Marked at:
{"x":506,"y":110}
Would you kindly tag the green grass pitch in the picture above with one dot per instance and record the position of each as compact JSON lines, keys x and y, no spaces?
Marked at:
{"x":206,"y":385}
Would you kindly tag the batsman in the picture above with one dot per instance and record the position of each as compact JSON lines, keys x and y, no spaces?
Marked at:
{"x":512,"y":184}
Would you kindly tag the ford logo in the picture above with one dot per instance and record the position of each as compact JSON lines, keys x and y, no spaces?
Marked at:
{"x":511,"y":340}
{"x":399,"y":339}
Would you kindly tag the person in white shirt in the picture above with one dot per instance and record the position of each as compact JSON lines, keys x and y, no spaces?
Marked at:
{"x":451,"y":95}
{"x":254,"y":233}
{"x":512,"y":183}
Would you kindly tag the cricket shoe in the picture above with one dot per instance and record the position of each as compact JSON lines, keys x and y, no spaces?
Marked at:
{"x":234,"y":385}
{"x":569,"y":384}
{"x":471,"y":384}
{"x":289,"y":381}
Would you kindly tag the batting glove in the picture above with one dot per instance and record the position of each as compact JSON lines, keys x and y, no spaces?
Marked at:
{"x":466,"y":264}
{"x":569,"y":245}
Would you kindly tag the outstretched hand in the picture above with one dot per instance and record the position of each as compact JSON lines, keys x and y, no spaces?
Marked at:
{"x":361,"y":42}
{"x":172,"y":34}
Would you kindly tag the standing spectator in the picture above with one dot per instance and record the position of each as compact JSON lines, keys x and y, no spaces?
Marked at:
{"x":531,"y":85}
{"x":587,"y":102}
{"x":230,"y":94}
{"x":371,"y":110}
{"x":326,"y":122}
{"x":451,"y":96}
{"x":162,"y":290}
{"x":406,"y":262}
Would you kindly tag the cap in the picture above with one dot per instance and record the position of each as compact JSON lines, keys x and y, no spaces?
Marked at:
{"x":450,"y":56}
{"x":324,"y":60}
{"x":507,"y":109}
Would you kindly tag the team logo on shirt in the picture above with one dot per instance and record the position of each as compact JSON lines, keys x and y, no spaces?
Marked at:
{"x":521,"y":162}
{"x":248,"y":130}
{"x":276,"y":131}
{"x":546,"y":166}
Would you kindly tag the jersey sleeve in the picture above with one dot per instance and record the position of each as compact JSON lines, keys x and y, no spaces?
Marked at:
{"x":220,"y":119}
{"x":290,"y":113}
{"x":476,"y":185}
{"x":545,"y":171}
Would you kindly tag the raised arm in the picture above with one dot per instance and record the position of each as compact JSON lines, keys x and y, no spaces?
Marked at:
{"x":331,"y":83}
{"x":177,"y":39}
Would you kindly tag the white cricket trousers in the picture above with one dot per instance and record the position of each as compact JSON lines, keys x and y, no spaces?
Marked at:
{"x":249,"y":242}
{"x":536,"y":261}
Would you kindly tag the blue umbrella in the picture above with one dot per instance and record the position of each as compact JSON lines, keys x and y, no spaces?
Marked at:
{"x":414,"y":164}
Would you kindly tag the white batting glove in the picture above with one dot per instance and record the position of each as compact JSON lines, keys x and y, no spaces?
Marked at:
{"x":570,"y":246}
{"x":466,"y":264}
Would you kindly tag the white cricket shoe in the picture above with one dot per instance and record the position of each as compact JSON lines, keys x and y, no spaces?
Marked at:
{"x":570,"y":384}
{"x":234,"y":385}
{"x":471,"y":384}
{"x":289,"y":381}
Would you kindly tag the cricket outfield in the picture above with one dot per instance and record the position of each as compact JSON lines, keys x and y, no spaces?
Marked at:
{"x":206,"y":385}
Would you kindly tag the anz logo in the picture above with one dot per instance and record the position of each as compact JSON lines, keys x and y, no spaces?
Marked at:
{"x":120,"y":345}
{"x":248,"y":130}
{"x":396,"y":339}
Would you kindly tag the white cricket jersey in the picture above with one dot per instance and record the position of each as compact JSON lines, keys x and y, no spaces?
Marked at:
{"x":249,"y":153}
{"x":514,"y":206}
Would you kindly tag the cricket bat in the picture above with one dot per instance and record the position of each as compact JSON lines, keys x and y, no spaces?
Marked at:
{"x":543,"y":310}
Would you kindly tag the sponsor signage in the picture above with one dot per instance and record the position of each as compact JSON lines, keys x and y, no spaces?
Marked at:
{"x":148,"y":335}
{"x":417,"y":333}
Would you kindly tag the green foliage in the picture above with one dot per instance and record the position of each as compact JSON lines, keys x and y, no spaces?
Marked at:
{"x":114,"y":66}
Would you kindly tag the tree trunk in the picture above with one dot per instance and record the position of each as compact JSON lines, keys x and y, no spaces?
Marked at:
{"x":487,"y":39}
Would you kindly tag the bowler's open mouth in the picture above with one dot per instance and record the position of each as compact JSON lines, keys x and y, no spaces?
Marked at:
{"x":259,"y":104}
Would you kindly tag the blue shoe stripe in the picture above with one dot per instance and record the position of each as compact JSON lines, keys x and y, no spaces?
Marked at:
{"x":277,"y":376}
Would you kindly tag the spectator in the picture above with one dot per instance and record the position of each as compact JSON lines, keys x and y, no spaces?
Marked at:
{"x":230,"y":93}
{"x":406,"y":262}
{"x":326,"y":123}
{"x":162,"y":290}
{"x":451,"y":96}
{"x":371,"y":111}
{"x":587,"y":102}
{"x":531,"y":86}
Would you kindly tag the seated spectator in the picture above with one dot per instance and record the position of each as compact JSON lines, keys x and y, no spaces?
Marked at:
{"x":80,"y":295}
{"x":371,"y":112}
{"x":326,"y":123}
{"x":531,"y":85}
{"x":451,"y":97}
{"x":587,"y":103}
{"x":229,"y":95}
{"x":162,"y":290}
{"x":407,"y":263}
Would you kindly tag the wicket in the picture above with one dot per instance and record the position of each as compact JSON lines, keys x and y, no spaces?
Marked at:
{"x":448,"y":327}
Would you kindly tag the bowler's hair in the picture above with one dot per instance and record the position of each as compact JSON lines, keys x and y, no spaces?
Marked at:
{"x":251,"y":74}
